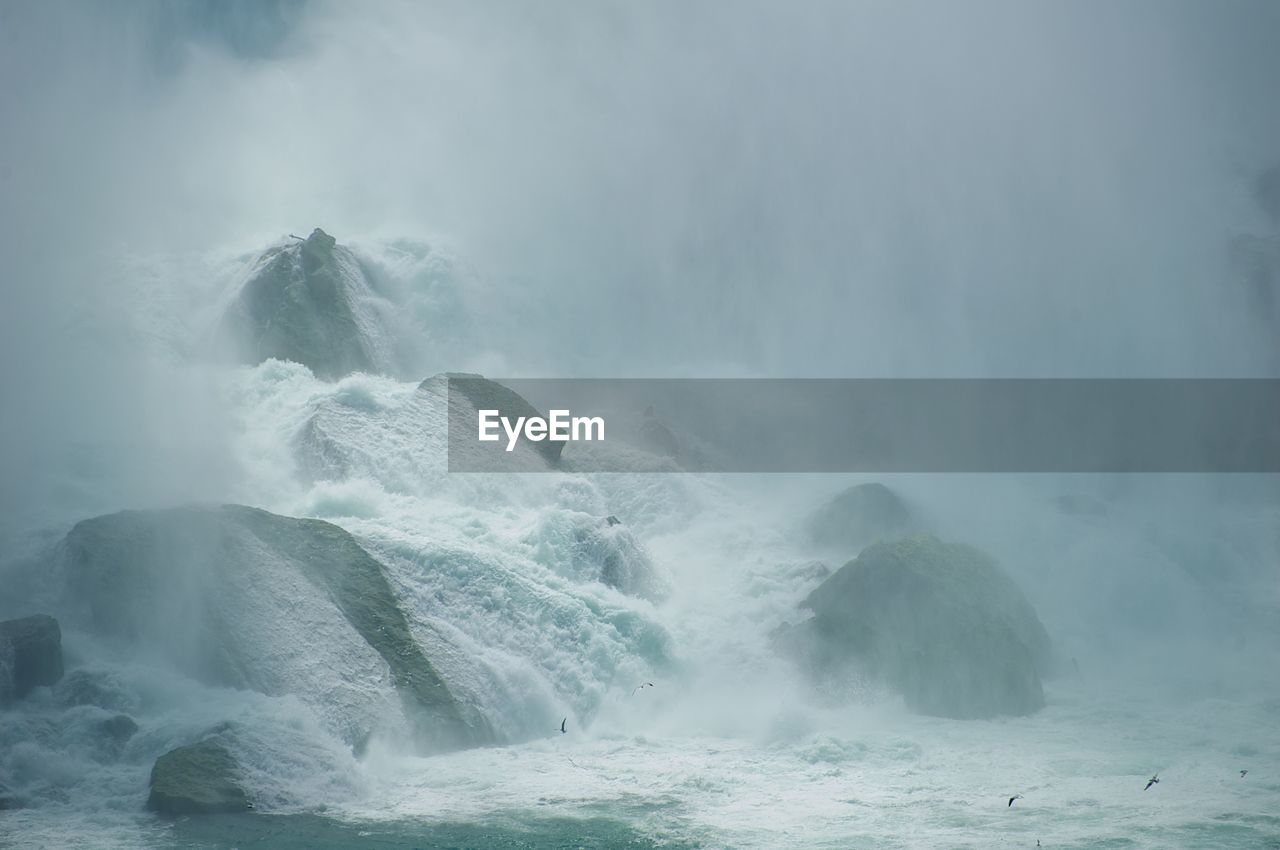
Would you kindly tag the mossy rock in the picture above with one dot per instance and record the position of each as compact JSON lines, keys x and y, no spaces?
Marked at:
{"x":941,"y":623}
{"x":197,"y":779}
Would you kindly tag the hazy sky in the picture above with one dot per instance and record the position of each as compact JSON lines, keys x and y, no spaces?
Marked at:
{"x":843,"y":188}
{"x":658,"y":188}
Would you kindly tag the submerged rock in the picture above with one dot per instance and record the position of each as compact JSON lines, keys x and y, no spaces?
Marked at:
{"x":239,"y":597}
{"x":30,"y":655}
{"x":310,"y":302}
{"x":582,"y":548}
{"x":197,"y":779}
{"x":940,"y":623}
{"x":861,"y":515}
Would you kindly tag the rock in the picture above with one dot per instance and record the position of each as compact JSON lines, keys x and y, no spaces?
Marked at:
{"x":235,"y":596}
{"x":30,"y":655}
{"x":484,"y":394}
{"x":860,"y":515}
{"x":657,"y":437}
{"x":583,"y":549}
{"x":118,"y":728}
{"x":310,"y":302}
{"x":95,"y":687}
{"x":615,"y":556}
{"x":940,"y":623}
{"x":111,"y":734}
{"x":197,"y":779}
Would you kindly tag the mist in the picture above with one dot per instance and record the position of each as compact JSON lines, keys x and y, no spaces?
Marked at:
{"x":614,"y":190}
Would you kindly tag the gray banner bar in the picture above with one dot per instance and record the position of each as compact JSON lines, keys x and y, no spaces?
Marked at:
{"x":830,"y":425}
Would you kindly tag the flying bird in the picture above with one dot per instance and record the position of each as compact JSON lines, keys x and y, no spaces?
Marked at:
{"x":641,"y":687}
{"x":1154,"y":780}
{"x":562,"y":722}
{"x":1014,"y":797}
{"x":1243,"y":773}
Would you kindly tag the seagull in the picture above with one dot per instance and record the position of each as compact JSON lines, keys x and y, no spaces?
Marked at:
{"x":1243,"y":773}
{"x":1154,"y":780}
{"x":1014,"y":797}
{"x":641,"y":687}
{"x":562,"y":722}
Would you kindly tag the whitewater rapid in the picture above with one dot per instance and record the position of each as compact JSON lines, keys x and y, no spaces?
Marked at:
{"x":502,"y":581}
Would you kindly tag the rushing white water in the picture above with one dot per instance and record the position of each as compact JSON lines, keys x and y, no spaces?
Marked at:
{"x":1165,"y":603}
{"x":825,"y":189}
{"x":1161,"y":604}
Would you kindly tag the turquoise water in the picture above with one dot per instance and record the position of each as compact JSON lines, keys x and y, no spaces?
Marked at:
{"x":296,"y":832}
{"x":857,"y":778}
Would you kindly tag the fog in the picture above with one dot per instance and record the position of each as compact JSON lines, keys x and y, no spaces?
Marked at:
{"x":1016,"y":189}
{"x":664,"y":189}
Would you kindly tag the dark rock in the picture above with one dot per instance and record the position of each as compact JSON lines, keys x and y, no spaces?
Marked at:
{"x":860,"y":515}
{"x":941,"y":623}
{"x":30,"y":655}
{"x":189,"y":583}
{"x":308,"y":302}
{"x":612,"y":520}
{"x":118,"y":728}
{"x":197,"y":779}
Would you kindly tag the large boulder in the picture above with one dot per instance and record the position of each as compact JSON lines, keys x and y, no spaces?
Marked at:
{"x":239,"y":597}
{"x":860,"y":515}
{"x":941,"y":623}
{"x":480,"y":393}
{"x":197,"y":779}
{"x":311,"y":302}
{"x":30,"y":655}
